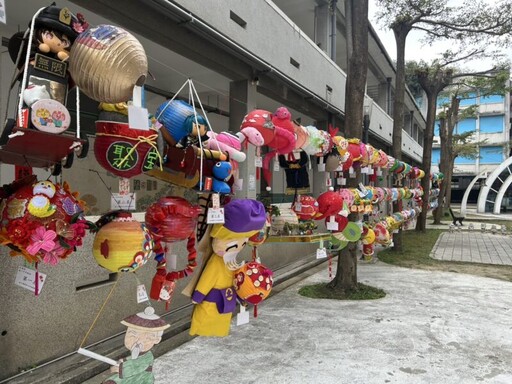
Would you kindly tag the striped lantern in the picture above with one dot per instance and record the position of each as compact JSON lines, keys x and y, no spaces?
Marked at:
{"x":123,"y":244}
{"x":107,"y":62}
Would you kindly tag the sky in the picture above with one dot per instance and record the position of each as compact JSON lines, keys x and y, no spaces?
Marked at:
{"x":414,"y":49}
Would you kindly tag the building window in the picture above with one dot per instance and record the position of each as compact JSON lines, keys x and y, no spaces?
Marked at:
{"x":491,"y":124}
{"x":469,"y":100}
{"x":466,"y":125}
{"x":491,"y":155}
{"x":492,"y":99}
{"x":436,"y":155}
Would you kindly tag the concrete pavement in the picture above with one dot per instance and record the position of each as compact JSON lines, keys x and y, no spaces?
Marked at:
{"x":432,"y":327}
{"x":474,"y":246}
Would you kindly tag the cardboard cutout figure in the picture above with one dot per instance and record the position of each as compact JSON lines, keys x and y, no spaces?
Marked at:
{"x":144,"y":330}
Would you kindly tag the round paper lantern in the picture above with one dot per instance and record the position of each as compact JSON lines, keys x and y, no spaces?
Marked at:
{"x":172,"y":219}
{"x":41,"y":221}
{"x":124,"y":151}
{"x":123,"y":244}
{"x":306,"y":208}
{"x":106,"y":62}
{"x":253,"y":282}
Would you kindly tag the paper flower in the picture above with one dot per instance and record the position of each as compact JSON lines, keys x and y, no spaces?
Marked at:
{"x":52,"y":257}
{"x":41,"y":239}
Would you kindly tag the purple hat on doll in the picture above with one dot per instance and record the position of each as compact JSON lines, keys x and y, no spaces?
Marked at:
{"x":244,"y":215}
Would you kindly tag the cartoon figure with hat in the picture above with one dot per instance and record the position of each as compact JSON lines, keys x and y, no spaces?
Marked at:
{"x":144,"y":330}
{"x":214,"y":293}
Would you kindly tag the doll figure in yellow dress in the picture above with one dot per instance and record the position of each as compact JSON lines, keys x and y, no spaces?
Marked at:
{"x":214,"y":295}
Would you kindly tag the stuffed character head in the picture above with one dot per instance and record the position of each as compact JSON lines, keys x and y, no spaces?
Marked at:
{"x":227,"y":143}
{"x":242,"y":219}
{"x":283,"y":118}
{"x":257,"y":127}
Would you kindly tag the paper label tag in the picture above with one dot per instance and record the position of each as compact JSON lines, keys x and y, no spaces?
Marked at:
{"x":364,"y":170}
{"x":138,"y":118}
{"x":26,"y":277}
{"x":242,"y":317}
{"x":3,"y":15}
{"x":321,"y":167}
{"x":142,"y":295}
{"x":277,"y":168}
{"x":124,"y":186}
{"x":215,"y":201}
{"x":332,"y":225}
{"x":298,"y":207}
{"x":321,"y":253}
{"x":127,"y":201}
{"x":258,"y":162}
{"x":238,"y":185}
{"x":215,"y":216}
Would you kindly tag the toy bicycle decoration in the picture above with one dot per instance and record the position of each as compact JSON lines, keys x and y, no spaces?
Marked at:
{"x":40,"y":54}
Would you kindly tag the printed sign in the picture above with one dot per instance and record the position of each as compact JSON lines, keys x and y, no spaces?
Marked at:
{"x":26,"y":277}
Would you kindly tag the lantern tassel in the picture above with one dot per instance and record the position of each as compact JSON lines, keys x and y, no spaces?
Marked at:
{"x":36,"y":282}
{"x":255,"y":311}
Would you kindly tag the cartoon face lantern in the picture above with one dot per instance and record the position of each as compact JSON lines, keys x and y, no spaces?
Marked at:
{"x":306,"y":208}
{"x":42,"y":221}
{"x":123,"y":245}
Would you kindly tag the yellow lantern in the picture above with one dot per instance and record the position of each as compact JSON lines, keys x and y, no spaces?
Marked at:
{"x":106,"y":62}
{"x":123,"y":244}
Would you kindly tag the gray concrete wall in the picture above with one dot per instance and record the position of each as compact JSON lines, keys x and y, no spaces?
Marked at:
{"x":273,"y":37}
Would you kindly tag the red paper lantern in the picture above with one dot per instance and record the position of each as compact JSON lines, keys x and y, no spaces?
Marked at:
{"x":172,"y":219}
{"x":306,"y":208}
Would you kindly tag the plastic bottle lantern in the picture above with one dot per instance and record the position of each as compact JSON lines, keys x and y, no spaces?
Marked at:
{"x":107,"y":62}
{"x":123,"y":244}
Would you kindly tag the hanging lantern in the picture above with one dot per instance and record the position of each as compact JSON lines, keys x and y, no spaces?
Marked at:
{"x":107,"y":62}
{"x":123,"y":244}
{"x":172,"y":219}
{"x":41,"y":221}
{"x":177,"y":117}
{"x":124,"y":151}
{"x":306,"y":208}
{"x":253,"y":282}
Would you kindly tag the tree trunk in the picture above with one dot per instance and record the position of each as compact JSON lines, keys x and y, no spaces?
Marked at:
{"x":401,"y":31}
{"x":428,"y":137}
{"x":346,"y":272}
{"x":444,"y":163}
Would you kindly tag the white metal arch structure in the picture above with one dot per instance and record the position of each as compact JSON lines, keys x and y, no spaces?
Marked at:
{"x":501,"y":193}
{"x":484,"y":190}
{"x":464,"y":203}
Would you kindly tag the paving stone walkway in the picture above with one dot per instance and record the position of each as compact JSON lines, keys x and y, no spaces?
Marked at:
{"x":473,"y":246}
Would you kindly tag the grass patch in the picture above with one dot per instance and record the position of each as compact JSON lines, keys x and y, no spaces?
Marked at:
{"x":321,"y":291}
{"x":417,"y":247}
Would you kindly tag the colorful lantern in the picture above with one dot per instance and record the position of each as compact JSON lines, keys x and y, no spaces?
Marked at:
{"x":107,"y":62}
{"x":329,"y":204}
{"x":123,"y":244}
{"x":306,"y":208}
{"x":172,"y":219}
{"x":178,"y":118}
{"x":42,"y":221}
{"x":253,"y":282}
{"x":124,"y":151}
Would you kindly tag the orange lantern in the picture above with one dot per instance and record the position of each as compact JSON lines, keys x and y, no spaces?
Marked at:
{"x":253,"y":282}
{"x":123,"y":244}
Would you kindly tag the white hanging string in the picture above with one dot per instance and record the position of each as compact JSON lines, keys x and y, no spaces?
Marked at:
{"x":191,"y":98}
{"x":208,"y":125}
{"x":25,"y":72}
{"x":170,"y":101}
{"x":77,"y":112}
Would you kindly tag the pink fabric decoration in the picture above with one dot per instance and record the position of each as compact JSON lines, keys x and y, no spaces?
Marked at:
{"x":41,"y":239}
